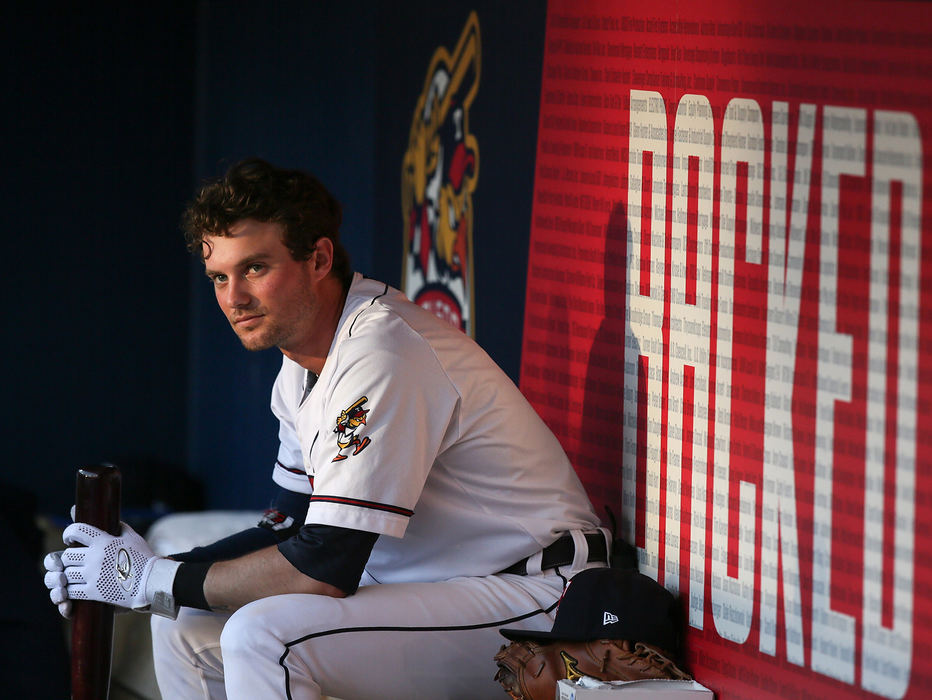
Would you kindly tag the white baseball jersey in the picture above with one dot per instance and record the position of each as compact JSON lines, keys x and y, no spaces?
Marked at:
{"x":413,"y":432}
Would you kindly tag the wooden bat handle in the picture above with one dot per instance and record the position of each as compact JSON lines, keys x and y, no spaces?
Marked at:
{"x":97,"y":503}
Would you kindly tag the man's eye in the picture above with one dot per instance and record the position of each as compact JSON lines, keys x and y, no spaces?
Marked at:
{"x":218,"y":279}
{"x":255,"y":267}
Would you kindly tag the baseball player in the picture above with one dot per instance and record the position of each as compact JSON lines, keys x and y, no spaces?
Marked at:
{"x":422,"y":504}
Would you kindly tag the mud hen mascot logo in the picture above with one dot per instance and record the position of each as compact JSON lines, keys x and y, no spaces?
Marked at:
{"x":439,"y":175}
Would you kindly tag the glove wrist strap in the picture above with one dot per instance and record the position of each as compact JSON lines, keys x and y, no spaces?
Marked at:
{"x":159,"y":586}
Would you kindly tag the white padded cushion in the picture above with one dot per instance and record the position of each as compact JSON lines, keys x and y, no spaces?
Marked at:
{"x":180,"y":532}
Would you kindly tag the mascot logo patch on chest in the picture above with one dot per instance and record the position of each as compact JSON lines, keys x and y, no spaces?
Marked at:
{"x":350,"y":421}
{"x":439,"y":175}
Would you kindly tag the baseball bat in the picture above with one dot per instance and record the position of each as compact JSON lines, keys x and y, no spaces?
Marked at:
{"x":97,"y":503}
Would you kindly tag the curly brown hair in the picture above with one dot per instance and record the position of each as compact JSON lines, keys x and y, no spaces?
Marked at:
{"x":255,"y":189}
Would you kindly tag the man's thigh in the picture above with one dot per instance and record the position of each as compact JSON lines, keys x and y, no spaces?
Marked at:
{"x":431,"y":640}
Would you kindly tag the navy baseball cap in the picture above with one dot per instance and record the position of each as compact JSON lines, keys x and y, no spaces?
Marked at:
{"x":608,"y":603}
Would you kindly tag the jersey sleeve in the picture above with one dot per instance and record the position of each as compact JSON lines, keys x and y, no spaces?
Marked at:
{"x":334,"y":555}
{"x":289,"y":471}
{"x":388,"y":412}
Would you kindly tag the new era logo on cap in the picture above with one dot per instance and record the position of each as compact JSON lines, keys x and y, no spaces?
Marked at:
{"x":608,"y":618}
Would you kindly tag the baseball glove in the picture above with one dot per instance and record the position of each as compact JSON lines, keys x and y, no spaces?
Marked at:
{"x":530,"y":671}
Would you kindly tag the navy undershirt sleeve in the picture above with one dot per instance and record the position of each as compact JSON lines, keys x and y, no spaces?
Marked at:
{"x":334,"y":555}
{"x":281,"y":521}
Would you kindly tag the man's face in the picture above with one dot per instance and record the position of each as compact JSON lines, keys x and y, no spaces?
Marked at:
{"x":266,"y":295}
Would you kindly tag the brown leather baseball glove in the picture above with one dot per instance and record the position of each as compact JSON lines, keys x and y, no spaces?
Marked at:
{"x":529,"y":671}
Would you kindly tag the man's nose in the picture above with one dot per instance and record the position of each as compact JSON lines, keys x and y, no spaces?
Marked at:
{"x":236,"y":293}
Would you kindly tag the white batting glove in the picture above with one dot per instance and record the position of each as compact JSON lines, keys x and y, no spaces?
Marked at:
{"x":118,"y":570}
{"x":55,"y":579}
{"x":56,"y":582}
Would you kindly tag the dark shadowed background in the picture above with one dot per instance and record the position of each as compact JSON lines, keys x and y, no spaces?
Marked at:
{"x":114,"y":349}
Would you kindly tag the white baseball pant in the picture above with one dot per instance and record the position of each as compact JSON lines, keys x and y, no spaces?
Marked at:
{"x":404,"y":641}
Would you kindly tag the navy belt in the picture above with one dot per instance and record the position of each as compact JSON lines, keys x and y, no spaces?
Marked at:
{"x":561,"y":553}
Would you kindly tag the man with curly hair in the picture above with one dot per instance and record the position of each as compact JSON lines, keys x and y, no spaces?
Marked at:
{"x":422,"y":504}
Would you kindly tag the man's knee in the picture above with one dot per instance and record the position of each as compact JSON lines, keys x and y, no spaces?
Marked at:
{"x":192,"y":630}
{"x":266,"y":627}
{"x":239,"y":633}
{"x":251,"y":631}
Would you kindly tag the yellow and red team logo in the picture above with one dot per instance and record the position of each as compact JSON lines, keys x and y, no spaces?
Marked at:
{"x":348,"y":424}
{"x":439,"y":175}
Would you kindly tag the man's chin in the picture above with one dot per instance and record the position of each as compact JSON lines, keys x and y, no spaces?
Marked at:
{"x":256,"y":343}
{"x":256,"y":347}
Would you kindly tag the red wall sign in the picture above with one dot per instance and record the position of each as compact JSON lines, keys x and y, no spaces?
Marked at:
{"x":729,"y":322}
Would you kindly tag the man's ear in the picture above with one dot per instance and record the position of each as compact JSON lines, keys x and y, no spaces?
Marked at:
{"x":322,"y":257}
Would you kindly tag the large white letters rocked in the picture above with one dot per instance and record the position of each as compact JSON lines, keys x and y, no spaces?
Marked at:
{"x":884,"y":149}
